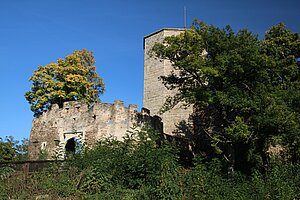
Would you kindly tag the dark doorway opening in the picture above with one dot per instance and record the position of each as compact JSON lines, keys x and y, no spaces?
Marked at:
{"x":70,"y":146}
{"x":73,"y":146}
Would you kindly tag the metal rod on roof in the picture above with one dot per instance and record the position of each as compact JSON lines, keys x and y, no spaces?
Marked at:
{"x":184,"y":16}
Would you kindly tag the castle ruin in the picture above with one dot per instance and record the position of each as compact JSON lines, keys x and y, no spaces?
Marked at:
{"x":56,"y":130}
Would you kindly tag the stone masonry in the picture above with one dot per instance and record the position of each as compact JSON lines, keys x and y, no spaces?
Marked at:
{"x":155,"y":93}
{"x":55,"y":130}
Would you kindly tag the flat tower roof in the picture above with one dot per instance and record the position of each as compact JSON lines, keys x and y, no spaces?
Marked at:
{"x":163,"y":29}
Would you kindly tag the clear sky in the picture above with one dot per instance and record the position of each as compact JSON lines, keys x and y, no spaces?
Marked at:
{"x":35,"y":32}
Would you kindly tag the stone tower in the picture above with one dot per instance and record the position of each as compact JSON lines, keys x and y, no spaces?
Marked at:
{"x":155,"y":93}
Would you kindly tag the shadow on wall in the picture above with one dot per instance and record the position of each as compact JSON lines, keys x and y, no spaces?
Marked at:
{"x":183,"y":138}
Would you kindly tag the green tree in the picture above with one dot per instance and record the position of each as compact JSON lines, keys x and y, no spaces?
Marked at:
{"x":22,"y":149}
{"x":245,"y":91}
{"x":7,"y":149}
{"x":69,"y":79}
{"x":279,"y":121}
{"x":11,"y":149}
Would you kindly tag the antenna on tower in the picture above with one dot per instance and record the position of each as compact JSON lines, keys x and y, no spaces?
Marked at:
{"x":184,"y":16}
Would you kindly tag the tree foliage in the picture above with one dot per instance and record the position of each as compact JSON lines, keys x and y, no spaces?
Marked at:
{"x":68,"y":79}
{"x":245,"y":90}
{"x":7,"y":150}
{"x":11,"y":149}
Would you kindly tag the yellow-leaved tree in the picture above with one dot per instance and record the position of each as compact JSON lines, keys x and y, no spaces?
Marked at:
{"x":70,"y":79}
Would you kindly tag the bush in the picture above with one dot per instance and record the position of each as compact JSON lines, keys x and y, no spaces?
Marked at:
{"x":52,"y":183}
{"x":280,"y":182}
{"x":140,"y":162}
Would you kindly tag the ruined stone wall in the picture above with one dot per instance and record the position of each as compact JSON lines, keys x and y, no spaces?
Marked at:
{"x":155,"y":93}
{"x":53,"y":129}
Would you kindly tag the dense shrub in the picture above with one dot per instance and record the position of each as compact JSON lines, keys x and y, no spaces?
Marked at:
{"x":50,"y":183}
{"x":142,"y":162}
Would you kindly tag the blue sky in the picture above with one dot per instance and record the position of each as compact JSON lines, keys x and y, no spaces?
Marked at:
{"x":35,"y":32}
